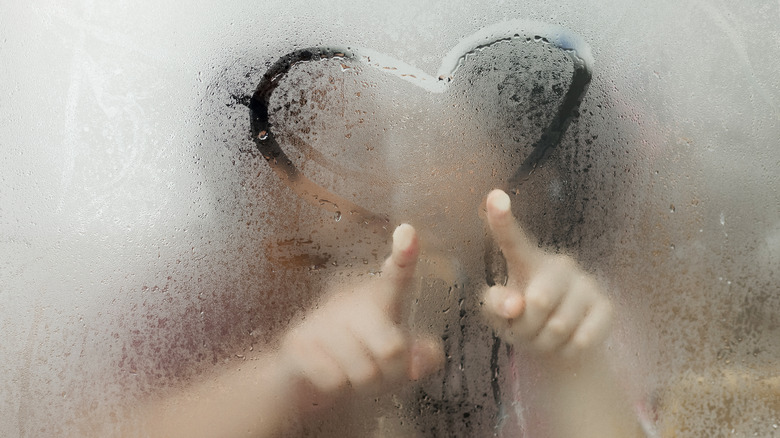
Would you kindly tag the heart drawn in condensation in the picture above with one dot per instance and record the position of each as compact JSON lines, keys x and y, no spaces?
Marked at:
{"x":267,"y":140}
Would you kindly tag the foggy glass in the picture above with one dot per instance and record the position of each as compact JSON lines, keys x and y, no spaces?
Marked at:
{"x":145,"y":241}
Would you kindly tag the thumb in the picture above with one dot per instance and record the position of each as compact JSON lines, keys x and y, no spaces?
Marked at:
{"x":398,"y":269}
{"x":426,"y":357}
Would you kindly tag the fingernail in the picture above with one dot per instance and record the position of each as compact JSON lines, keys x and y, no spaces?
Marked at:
{"x":501,"y":201}
{"x":402,"y":237}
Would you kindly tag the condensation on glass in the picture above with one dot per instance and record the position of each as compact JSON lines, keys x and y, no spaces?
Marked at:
{"x":145,"y":241}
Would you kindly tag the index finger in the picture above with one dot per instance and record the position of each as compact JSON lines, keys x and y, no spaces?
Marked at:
{"x":520,"y":252}
{"x":398,"y":269}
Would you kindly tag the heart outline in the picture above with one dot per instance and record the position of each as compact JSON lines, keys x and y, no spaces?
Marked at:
{"x":575,"y":46}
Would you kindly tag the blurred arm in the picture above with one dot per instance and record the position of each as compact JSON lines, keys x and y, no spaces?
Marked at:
{"x":553,"y":309}
{"x":351,"y":346}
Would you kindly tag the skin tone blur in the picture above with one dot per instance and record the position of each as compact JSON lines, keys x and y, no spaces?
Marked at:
{"x":354,"y":347}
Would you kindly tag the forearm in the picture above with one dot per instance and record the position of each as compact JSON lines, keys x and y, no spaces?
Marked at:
{"x":584,"y":400}
{"x":251,"y":400}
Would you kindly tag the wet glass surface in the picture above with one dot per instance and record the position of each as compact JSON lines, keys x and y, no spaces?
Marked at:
{"x":146,"y":244}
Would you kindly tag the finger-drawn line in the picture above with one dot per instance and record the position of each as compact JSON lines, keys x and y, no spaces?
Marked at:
{"x":263,"y":134}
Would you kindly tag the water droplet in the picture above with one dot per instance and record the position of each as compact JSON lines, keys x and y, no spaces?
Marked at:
{"x":338,"y":216}
{"x":671,"y":208}
{"x":722,"y":219}
{"x":262,"y":135}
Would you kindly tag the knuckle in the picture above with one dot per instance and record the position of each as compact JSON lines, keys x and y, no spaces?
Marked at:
{"x":539,"y":300}
{"x":334,"y":382}
{"x":583,"y":285}
{"x":587,"y":282}
{"x":325,"y":377}
{"x":297,"y":342}
{"x":367,"y":374}
{"x":582,"y":342}
{"x":561,"y":263}
{"x":559,"y":327}
{"x":602,"y":316}
{"x":606,"y":320}
{"x":394,"y":346}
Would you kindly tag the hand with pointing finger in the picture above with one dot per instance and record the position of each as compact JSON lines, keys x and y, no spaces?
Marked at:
{"x":549,"y":304}
{"x":354,"y":343}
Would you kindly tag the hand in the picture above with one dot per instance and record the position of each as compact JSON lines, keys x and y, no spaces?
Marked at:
{"x":355,"y":343}
{"x":549,"y":303}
